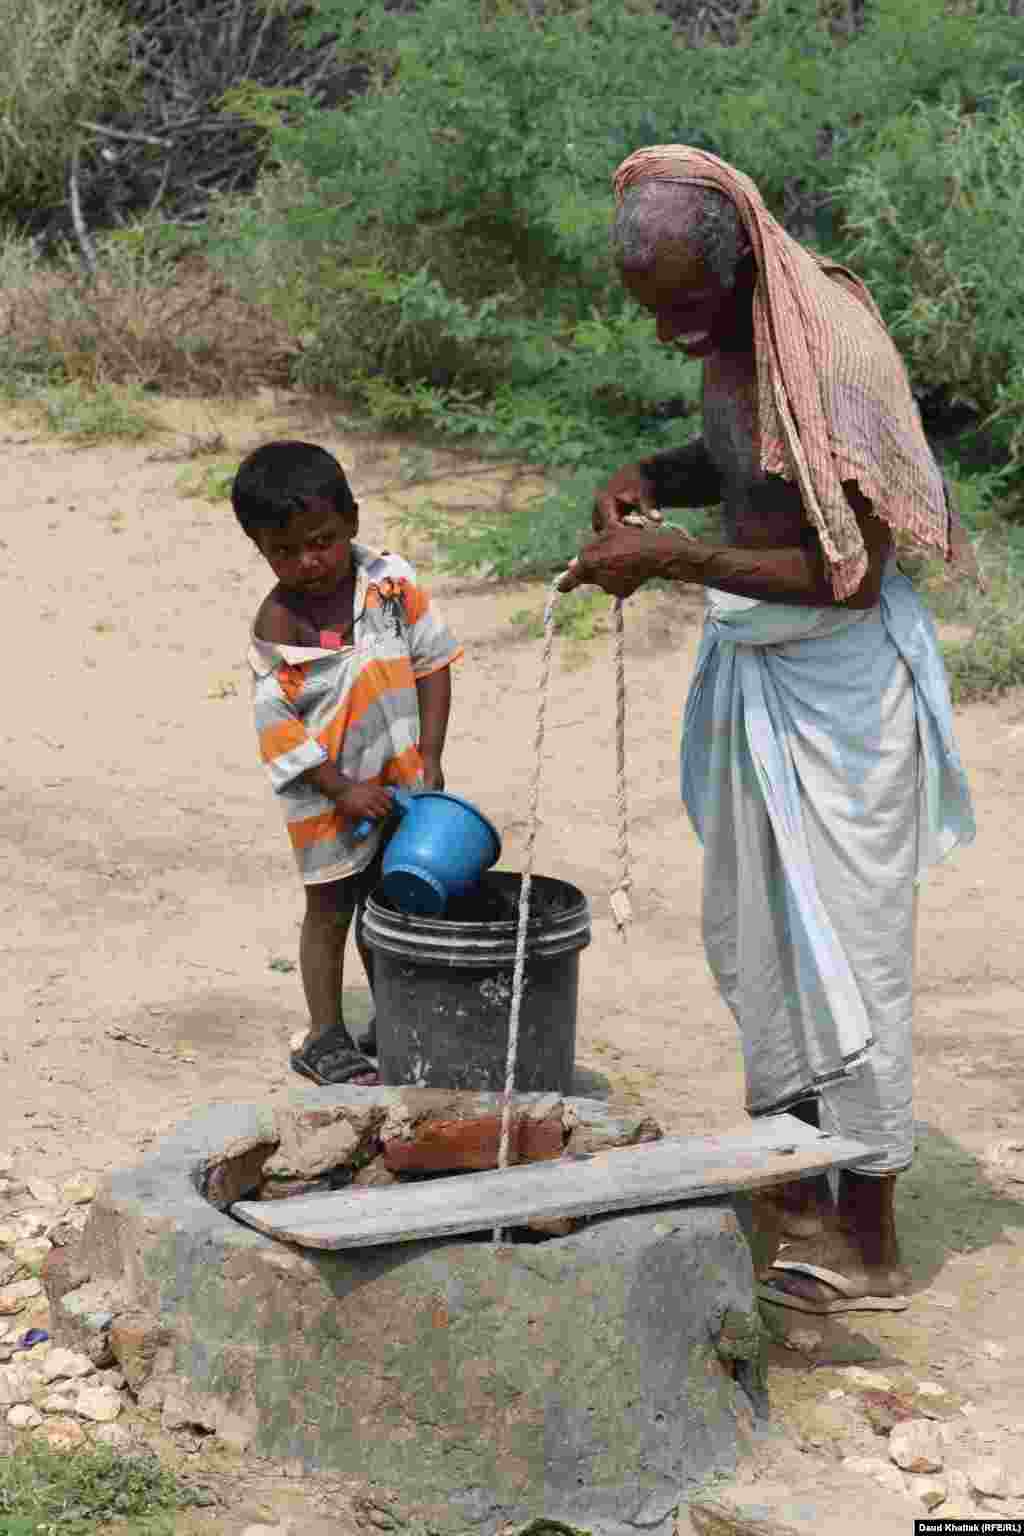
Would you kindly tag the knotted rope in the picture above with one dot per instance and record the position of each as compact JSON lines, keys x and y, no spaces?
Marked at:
{"x":620,"y":902}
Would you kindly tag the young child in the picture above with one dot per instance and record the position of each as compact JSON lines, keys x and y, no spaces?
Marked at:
{"x":351,"y":690}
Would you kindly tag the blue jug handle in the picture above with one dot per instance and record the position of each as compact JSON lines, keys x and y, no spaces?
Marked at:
{"x":401,"y":800}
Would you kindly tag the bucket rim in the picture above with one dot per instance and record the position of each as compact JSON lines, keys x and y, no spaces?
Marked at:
{"x":467,"y":805}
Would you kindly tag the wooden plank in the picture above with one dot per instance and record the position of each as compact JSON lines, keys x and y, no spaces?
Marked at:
{"x":675,"y":1169}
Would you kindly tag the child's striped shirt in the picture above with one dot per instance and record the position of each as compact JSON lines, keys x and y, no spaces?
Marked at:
{"x":355,"y":705}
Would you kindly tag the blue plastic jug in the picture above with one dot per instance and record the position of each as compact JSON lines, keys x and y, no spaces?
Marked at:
{"x":440,"y":849}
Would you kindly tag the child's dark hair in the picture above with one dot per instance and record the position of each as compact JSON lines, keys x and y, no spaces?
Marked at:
{"x":280,"y":479}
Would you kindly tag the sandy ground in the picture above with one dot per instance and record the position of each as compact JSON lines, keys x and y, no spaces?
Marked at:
{"x":148,"y":888}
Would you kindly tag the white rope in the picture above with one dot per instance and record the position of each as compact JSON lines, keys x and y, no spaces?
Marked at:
{"x":524,"y":889}
{"x":622,"y":909}
{"x":620,"y":902}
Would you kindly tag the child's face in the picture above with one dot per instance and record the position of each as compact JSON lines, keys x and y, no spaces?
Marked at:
{"x":312,"y":554}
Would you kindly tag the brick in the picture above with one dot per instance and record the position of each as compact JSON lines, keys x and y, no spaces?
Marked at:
{"x":448,"y":1146}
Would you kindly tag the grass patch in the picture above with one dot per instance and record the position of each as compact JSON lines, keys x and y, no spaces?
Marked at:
{"x":579,"y":615}
{"x":93,"y":415}
{"x":43,"y":1491}
{"x":208,"y":482}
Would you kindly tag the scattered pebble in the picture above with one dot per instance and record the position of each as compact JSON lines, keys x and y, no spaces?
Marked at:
{"x":916,"y":1447}
{"x":927,"y":1490}
{"x":24,"y":1416}
{"x":992,"y":1350}
{"x":836,"y":1394}
{"x":13,"y":1297}
{"x":805,"y":1341}
{"x":100,"y":1404}
{"x":78,"y":1191}
{"x":66,"y":1362}
{"x":930,"y":1389}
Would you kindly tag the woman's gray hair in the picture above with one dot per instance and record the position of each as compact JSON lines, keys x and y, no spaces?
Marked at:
{"x":658,"y":213}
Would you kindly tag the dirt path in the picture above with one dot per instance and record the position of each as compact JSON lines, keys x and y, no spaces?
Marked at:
{"x":148,"y":889}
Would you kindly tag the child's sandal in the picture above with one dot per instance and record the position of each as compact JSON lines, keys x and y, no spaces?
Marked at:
{"x":332,"y":1059}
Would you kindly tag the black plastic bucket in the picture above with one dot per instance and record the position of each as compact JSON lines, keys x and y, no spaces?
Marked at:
{"x":443,"y":987}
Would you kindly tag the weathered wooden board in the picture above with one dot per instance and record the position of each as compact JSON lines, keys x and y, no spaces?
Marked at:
{"x":666,"y":1172}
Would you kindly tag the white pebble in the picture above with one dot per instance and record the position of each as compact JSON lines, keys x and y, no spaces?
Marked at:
{"x":24,"y":1416}
{"x":66,"y":1362}
{"x":100,"y":1404}
{"x":916,"y":1446}
{"x":930,"y":1389}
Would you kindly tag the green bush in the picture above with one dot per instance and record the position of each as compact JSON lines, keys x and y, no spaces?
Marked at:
{"x":44,"y":1491}
{"x":59,"y":63}
{"x":934,"y":214}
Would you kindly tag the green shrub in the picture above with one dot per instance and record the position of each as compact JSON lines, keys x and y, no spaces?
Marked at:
{"x":59,"y":63}
{"x":45,"y":1491}
{"x":934,"y":214}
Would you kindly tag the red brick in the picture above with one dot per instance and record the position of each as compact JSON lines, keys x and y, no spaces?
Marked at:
{"x":448,"y":1146}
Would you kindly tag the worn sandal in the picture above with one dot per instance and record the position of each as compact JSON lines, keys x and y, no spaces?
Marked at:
{"x":331,"y":1059}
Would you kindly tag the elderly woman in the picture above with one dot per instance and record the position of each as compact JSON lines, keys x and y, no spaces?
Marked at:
{"x":819,"y":767}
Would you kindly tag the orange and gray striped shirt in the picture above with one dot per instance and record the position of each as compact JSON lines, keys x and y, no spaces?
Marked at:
{"x":354,"y":704}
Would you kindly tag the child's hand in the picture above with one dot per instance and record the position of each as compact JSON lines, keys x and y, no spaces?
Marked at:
{"x":361,"y":801}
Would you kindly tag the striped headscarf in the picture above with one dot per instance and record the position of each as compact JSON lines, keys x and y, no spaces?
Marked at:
{"x":834,"y":400}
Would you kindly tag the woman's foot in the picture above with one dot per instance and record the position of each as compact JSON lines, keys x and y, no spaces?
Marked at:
{"x":332,"y":1058}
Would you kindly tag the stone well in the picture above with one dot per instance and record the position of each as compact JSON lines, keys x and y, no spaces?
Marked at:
{"x":594,"y":1377}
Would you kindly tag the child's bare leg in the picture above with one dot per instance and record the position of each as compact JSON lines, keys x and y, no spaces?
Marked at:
{"x":329,"y":912}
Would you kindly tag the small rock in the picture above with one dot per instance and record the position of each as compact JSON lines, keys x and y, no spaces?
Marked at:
{"x":6,"y":1165}
{"x":66,"y":1362}
{"x":929,"y":1491}
{"x":56,"y":1402}
{"x":100,"y":1404}
{"x":62,"y":1434}
{"x":916,"y":1446}
{"x":968,"y":1408}
{"x":16,"y":1385}
{"x":114,"y":1435}
{"x":24,"y":1416}
{"x":79,"y":1191}
{"x":804,"y":1341}
{"x":836,"y":1395}
{"x":863,"y":1378}
{"x":989,"y":1477}
{"x":930,"y":1389}
{"x":880,"y":1471}
{"x":14,"y":1297}
{"x":992,"y":1350}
